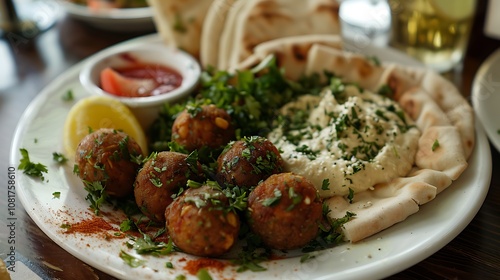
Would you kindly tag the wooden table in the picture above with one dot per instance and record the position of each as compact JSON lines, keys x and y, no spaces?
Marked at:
{"x":28,"y":64}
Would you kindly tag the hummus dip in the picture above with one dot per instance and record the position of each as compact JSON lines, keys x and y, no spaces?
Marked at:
{"x":346,"y":139}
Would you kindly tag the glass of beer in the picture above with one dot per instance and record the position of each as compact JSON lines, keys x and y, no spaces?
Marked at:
{"x":435,"y":32}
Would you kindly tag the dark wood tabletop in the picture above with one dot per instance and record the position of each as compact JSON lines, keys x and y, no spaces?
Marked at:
{"x":27,"y":64}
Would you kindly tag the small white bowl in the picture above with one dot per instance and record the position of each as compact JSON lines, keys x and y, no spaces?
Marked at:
{"x":146,"y":108}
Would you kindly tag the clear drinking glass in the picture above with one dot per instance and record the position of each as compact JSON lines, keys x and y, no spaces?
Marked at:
{"x":435,"y":32}
{"x":365,"y":22}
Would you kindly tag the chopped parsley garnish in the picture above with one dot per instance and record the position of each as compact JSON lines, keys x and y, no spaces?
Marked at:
{"x":386,"y":91}
{"x":96,"y":195}
{"x":76,"y":169}
{"x":131,"y":260}
{"x":374,"y":59}
{"x":271,"y":201}
{"x":330,"y":232}
{"x":56,"y":194}
{"x":203,"y":274}
{"x":252,"y":102}
{"x":252,"y":253}
{"x":146,"y":245}
{"x":306,"y":257}
{"x":435,"y":145}
{"x":30,"y":168}
{"x":350,"y":196}
{"x":68,"y":96}
{"x":238,"y":197}
{"x":179,"y":25}
{"x":325,"y":185}
{"x":295,"y":197}
{"x":155,"y":180}
{"x":307,"y":152}
{"x":59,"y":158}
{"x":127,"y":225}
{"x":65,"y":226}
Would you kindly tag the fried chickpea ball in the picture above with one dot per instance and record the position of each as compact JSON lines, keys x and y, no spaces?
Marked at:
{"x":246,"y":162}
{"x":200,"y":224}
{"x":285,"y":210}
{"x":205,"y":126}
{"x":160,"y":178}
{"x":110,"y":157}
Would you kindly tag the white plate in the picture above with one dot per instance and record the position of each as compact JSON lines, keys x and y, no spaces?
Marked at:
{"x":381,"y":255}
{"x":121,"y":20}
{"x":486,"y":97}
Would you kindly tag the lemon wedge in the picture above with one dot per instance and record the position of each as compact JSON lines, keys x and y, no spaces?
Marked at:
{"x":457,"y":10}
{"x":95,"y":112}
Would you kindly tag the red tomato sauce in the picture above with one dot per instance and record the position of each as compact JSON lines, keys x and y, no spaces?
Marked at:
{"x":139,"y":80}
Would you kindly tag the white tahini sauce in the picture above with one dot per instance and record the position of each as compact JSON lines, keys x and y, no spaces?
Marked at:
{"x":354,"y":140}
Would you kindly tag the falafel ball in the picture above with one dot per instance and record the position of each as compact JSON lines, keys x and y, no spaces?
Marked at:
{"x":161,"y":177}
{"x":285,"y":210}
{"x":246,"y":162}
{"x":205,"y":126}
{"x":200,"y":223}
{"x":109,"y":156}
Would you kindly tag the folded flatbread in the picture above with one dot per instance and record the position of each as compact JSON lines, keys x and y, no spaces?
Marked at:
{"x":180,"y":23}
{"x":291,"y":52}
{"x":213,"y":25}
{"x":257,"y":21}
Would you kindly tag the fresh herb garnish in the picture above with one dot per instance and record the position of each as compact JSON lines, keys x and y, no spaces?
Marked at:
{"x":59,"y":158}
{"x":65,"y":226}
{"x":131,"y":260}
{"x":252,"y":102}
{"x":435,"y":145}
{"x":330,"y":231}
{"x":203,"y":274}
{"x":96,"y":195}
{"x":252,"y":255}
{"x":271,"y":201}
{"x":374,"y":59}
{"x":30,"y":168}
{"x":306,"y":257}
{"x":56,"y":194}
{"x":325,"y":185}
{"x":350,"y":196}
{"x":386,"y":90}
{"x":146,"y":245}
{"x":68,"y":96}
{"x":179,"y":25}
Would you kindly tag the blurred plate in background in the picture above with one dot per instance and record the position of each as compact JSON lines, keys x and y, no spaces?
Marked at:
{"x":120,"y":20}
{"x":486,"y":97}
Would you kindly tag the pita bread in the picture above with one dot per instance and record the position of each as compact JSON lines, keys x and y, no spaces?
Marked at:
{"x":443,"y":116}
{"x":442,"y":92}
{"x":211,"y":31}
{"x":226,"y":41}
{"x":290,"y":52}
{"x":179,"y":23}
{"x":264,"y":20}
{"x":352,"y":67}
{"x":440,"y":148}
{"x":422,"y":109}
